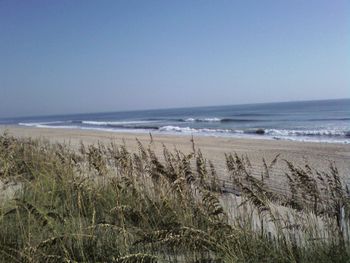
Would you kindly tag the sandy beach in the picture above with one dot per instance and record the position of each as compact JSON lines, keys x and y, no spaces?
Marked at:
{"x":317,"y":155}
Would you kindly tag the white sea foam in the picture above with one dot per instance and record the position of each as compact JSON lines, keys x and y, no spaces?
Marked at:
{"x":170,"y":128}
{"x":203,"y":120}
{"x":48,"y":125}
{"x":35,"y":124}
{"x":322,"y":132}
{"x":321,"y":135}
{"x":114,"y":129}
{"x":106,"y":123}
{"x":310,"y":139}
{"x":29,"y":124}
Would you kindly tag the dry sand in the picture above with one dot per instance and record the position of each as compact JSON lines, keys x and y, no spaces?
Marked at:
{"x":317,"y":155}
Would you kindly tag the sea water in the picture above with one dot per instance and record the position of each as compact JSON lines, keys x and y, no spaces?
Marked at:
{"x":314,"y":121}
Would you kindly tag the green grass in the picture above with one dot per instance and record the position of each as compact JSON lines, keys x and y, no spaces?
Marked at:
{"x":103,"y":203}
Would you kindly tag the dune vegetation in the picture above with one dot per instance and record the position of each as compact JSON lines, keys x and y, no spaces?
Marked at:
{"x":103,"y":203}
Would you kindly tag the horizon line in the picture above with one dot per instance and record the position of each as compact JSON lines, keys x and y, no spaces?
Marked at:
{"x":170,"y":108}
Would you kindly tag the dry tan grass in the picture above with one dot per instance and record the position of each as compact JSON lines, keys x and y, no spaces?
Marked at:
{"x":104,"y":203}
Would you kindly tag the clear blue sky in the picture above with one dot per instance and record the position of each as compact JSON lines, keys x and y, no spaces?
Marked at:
{"x":59,"y":57}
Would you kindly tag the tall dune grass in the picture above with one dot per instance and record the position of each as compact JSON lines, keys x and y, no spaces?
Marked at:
{"x":103,"y":203}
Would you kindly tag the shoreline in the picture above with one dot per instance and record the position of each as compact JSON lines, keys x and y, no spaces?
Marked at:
{"x":318,"y":155}
{"x":241,"y":136}
{"x":255,"y":133}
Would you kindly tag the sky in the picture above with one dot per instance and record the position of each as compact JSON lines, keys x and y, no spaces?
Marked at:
{"x":60,"y":57}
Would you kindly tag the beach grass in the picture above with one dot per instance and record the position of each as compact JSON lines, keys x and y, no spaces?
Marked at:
{"x":104,"y":203}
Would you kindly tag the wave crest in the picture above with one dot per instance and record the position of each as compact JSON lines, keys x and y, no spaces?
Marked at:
{"x":107,"y":123}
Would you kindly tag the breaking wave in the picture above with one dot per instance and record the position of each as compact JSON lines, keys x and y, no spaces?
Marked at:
{"x":106,"y":123}
{"x":219,"y":120}
{"x":203,"y":120}
{"x":338,"y":135}
{"x":328,"y":133}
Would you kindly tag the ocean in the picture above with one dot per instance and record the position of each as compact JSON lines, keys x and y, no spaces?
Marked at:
{"x":312,"y":121}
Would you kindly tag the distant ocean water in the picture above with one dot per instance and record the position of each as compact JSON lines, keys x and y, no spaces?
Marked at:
{"x":314,"y":121}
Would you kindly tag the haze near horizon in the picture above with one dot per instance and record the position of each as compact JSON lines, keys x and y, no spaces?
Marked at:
{"x":62,"y":57}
